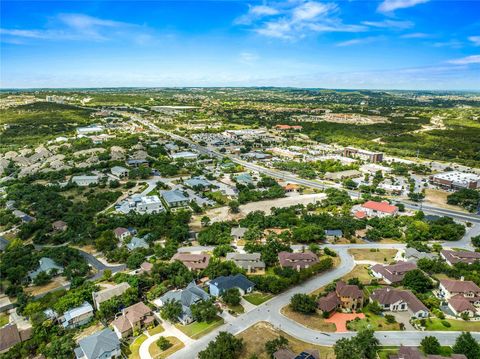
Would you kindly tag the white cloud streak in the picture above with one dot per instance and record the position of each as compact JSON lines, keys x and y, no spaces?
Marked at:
{"x":475,"y":40}
{"x":468,"y":60}
{"x":389,"y":6}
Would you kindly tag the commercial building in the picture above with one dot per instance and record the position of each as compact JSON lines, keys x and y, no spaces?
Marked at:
{"x":456,"y":180}
{"x":363,"y":154}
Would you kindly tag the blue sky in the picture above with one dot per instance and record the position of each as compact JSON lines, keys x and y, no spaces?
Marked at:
{"x":390,"y":44}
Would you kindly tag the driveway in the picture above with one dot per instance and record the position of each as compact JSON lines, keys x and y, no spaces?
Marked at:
{"x":403,"y":317}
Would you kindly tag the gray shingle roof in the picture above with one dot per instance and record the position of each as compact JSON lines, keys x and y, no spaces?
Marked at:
{"x":232,"y":281}
{"x":99,"y":343}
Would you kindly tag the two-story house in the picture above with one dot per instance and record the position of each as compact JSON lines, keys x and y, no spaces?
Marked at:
{"x":133,"y":318}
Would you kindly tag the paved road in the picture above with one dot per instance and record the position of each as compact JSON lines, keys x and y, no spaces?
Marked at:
{"x":99,"y":266}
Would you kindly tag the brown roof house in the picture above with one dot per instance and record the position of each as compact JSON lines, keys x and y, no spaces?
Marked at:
{"x":452,"y":257}
{"x":396,"y":300}
{"x":11,"y":335}
{"x":59,"y":226}
{"x":414,"y":353}
{"x":121,"y":233}
{"x":297,"y":261}
{"x":346,"y":296}
{"x":392,"y":273}
{"x":192,"y":261}
{"x":133,"y":318}
{"x":463,"y":297}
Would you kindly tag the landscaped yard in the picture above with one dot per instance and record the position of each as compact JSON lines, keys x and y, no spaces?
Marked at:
{"x":236,"y":309}
{"x":360,"y":272}
{"x":372,"y":321}
{"x":199,"y":329}
{"x":385,"y":352}
{"x":376,"y":255}
{"x":3,"y":319}
{"x":257,"y":298}
{"x":255,"y":337}
{"x":135,"y":347}
{"x":314,"y":321}
{"x":158,"y":329}
{"x":455,"y":325}
{"x":157,"y":353}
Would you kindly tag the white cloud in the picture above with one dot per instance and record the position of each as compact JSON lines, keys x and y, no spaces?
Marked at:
{"x":365,"y":40}
{"x":295,"y":19}
{"x":248,"y":57}
{"x":78,"y":27}
{"x":472,"y":59}
{"x":389,"y":24}
{"x":475,"y":40}
{"x":388,"y":6}
{"x":415,"y":35}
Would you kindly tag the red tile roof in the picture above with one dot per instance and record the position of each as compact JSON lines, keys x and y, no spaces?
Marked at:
{"x":384,"y":207}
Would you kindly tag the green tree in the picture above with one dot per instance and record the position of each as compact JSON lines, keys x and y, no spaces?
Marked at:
{"x":163,"y":343}
{"x":205,"y":221}
{"x":275,"y":344}
{"x":234,"y":206}
{"x":430,"y":345}
{"x":417,"y":281}
{"x":476,"y":241}
{"x":362,"y":346}
{"x":171,"y":310}
{"x":204,"y":311}
{"x":232,"y":296}
{"x":303,"y":303}
{"x":225,"y":346}
{"x":467,"y":345}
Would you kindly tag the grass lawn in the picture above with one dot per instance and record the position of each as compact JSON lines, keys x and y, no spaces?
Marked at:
{"x":257,"y":298}
{"x":135,"y":347}
{"x":372,"y":321}
{"x":255,"y":337}
{"x":385,"y":352}
{"x":313,"y":321}
{"x":236,"y":309}
{"x":158,"y":329}
{"x":157,"y":353}
{"x":455,"y":325}
{"x":361,"y":272}
{"x":198,"y":329}
{"x":376,"y":255}
{"x":3,"y":319}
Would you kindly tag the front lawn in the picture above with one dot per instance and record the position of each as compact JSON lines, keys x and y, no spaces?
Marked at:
{"x":455,"y":325}
{"x":313,"y":321}
{"x":236,"y":309}
{"x":157,"y":330}
{"x":135,"y":347}
{"x":196,"y":330}
{"x":257,"y":298}
{"x":157,"y":353}
{"x":372,"y":321}
{"x":3,"y":319}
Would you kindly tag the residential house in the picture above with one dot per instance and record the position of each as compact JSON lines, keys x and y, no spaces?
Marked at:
{"x":251,"y":262}
{"x":59,"y":226}
{"x":100,"y":345}
{"x":452,"y":257}
{"x":119,"y":171}
{"x":106,"y":294}
{"x":175,"y":198}
{"x":133,"y":318}
{"x":297,"y":261}
{"x":238,"y":232}
{"x":244,"y":179}
{"x":185,"y":155}
{"x":197,"y":182}
{"x":333,"y":234}
{"x":414,"y":353}
{"x":221,"y":284}
{"x":77,"y":316}
{"x":137,"y":243}
{"x":463,"y":297}
{"x":85,"y":180}
{"x":146,"y":267}
{"x":413,"y":255}
{"x":46,"y":265}
{"x":121,"y":233}
{"x":291,"y":188}
{"x":11,"y":335}
{"x":285,"y":353}
{"x":393,"y":273}
{"x":192,"y":294}
{"x":396,"y":300}
{"x":132,"y":162}
{"x":192,"y":261}
{"x":349,"y":297}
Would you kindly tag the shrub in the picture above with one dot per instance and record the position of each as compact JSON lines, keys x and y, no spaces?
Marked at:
{"x":390,"y":318}
{"x":446,"y":324}
{"x":163,"y":343}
